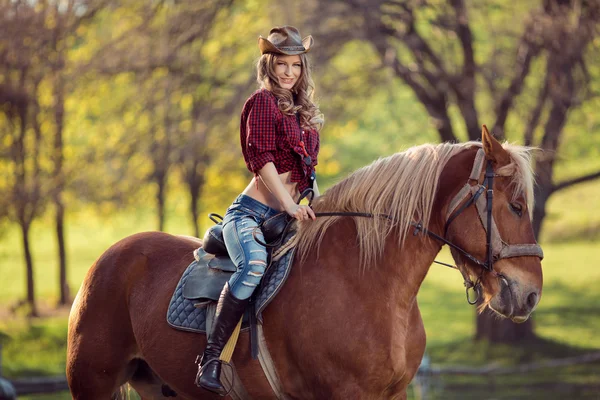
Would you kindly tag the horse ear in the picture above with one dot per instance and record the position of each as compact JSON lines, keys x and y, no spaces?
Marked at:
{"x":493,"y":149}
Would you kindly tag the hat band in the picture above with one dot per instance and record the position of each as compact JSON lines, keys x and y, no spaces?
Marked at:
{"x":292,"y":48}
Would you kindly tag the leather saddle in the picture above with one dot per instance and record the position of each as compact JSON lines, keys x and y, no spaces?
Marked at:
{"x":213,"y":265}
{"x":273,"y":230}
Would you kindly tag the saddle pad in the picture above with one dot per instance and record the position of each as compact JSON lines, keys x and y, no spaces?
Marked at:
{"x":272,"y":282}
{"x":183,"y":315}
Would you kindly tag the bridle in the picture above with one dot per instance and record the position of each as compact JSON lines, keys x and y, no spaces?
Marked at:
{"x":496,"y":248}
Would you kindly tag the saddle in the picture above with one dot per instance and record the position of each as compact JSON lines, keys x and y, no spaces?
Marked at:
{"x":273,"y":230}
{"x":203,"y":280}
{"x":214,"y":265}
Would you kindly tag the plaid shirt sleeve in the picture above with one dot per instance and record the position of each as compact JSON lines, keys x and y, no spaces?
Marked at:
{"x":259,"y":131}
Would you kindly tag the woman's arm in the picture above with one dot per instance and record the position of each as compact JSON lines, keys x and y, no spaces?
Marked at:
{"x":269,"y":176}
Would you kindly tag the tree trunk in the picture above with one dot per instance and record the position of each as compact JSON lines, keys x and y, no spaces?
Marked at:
{"x":65,"y":292}
{"x":160,"y":203}
{"x":542,"y":192}
{"x":29,"y":264}
{"x":195,"y":185}
{"x":58,"y":156}
{"x":194,"y":211}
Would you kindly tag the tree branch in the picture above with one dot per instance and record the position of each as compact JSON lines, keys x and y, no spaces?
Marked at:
{"x":464,"y":85}
{"x":525,"y":55}
{"x":536,"y":113}
{"x":466,"y":38}
{"x":575,"y":181}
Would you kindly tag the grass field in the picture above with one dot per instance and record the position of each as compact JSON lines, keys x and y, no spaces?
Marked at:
{"x":568,"y":317}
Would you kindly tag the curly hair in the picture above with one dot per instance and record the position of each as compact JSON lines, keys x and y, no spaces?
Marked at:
{"x":304,"y":89}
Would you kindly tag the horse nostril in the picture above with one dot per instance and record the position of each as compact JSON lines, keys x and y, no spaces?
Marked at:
{"x":532,"y":300}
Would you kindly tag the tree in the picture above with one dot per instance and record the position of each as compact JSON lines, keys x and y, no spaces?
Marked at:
{"x":432,"y":48}
{"x":23,"y":73}
{"x":34,"y":69}
{"x":177,"y":55}
{"x":63,"y":30}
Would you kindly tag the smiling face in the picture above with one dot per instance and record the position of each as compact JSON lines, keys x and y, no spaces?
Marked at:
{"x":288,"y":70}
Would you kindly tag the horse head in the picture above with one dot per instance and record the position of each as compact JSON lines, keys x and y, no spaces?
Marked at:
{"x":497,"y":251}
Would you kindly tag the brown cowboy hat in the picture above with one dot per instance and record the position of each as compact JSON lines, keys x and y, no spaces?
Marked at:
{"x":284,"y":40}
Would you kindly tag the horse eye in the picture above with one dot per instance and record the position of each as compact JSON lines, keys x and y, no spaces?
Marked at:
{"x":517,"y":209}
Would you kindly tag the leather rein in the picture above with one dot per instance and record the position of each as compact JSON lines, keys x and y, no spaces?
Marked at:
{"x":496,"y":248}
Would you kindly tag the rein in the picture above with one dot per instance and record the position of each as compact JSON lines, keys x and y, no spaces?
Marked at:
{"x":496,"y":249}
{"x":419,"y":227}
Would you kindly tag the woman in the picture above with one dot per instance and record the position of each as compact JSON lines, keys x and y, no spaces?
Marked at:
{"x":279,"y":133}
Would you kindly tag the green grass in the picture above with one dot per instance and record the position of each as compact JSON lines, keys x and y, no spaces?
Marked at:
{"x":46,"y":339}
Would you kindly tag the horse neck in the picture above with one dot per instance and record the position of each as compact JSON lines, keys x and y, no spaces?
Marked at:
{"x":406,"y":267}
{"x":409,"y":265}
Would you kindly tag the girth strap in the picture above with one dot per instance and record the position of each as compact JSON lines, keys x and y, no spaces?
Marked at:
{"x":266,"y":362}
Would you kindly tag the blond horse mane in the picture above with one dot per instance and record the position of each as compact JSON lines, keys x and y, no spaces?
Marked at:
{"x":402,"y":186}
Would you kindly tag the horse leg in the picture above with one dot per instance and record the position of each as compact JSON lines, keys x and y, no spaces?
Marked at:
{"x":415,"y":347}
{"x":100,"y":346}
{"x":102,"y":380}
{"x":148,"y":385}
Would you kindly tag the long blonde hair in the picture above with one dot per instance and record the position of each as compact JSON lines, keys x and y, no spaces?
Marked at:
{"x":304,"y":89}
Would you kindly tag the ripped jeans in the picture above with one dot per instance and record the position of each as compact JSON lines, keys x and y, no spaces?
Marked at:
{"x":250,"y":258}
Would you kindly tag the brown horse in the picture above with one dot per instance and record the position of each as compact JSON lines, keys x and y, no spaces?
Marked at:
{"x":346,"y":324}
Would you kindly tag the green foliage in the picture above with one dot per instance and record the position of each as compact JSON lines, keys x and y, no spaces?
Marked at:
{"x":46,"y":339}
{"x":368,"y":114}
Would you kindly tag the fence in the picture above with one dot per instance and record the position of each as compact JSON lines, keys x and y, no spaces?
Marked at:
{"x":422,"y":380}
{"x":7,"y":390}
{"x":427,"y":373}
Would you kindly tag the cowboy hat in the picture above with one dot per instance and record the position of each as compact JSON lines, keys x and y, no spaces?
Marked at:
{"x":284,"y":40}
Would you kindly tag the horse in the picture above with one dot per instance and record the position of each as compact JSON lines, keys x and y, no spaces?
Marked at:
{"x":346,"y":324}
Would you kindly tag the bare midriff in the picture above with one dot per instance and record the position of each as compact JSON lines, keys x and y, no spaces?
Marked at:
{"x":259,"y":191}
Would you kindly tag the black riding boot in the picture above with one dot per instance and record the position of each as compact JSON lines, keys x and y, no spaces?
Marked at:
{"x":229,"y":311}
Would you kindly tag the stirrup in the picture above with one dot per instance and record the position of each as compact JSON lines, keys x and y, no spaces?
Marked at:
{"x":201,"y":369}
{"x":200,"y":357}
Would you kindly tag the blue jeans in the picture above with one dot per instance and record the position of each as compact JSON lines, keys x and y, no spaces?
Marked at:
{"x":250,"y":258}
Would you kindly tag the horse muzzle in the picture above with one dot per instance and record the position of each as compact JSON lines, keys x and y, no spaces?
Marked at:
{"x":514,"y":300}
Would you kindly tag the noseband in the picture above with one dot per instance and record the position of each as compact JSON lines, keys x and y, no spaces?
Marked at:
{"x":496,"y":248}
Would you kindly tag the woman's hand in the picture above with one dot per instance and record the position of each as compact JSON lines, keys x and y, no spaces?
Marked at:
{"x":269,"y":175}
{"x":301,"y":212}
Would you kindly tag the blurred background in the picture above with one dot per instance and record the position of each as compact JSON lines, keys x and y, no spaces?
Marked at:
{"x":122,"y":116}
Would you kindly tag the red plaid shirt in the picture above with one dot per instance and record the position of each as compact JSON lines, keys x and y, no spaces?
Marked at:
{"x":268,"y":135}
